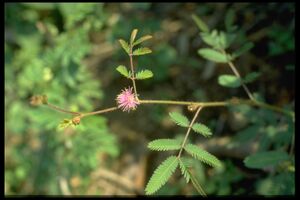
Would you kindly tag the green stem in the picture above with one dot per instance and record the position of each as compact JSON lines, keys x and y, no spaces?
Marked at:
{"x":206,"y":104}
{"x":99,"y":112}
{"x":188,"y":131}
{"x":237,"y":74}
{"x":235,"y":71}
{"x":132,"y":72}
{"x":233,"y":101}
{"x":61,"y":109}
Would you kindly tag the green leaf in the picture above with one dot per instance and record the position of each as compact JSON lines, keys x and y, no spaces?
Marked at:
{"x":164,"y":145}
{"x":124,"y":45}
{"x":265,"y":159}
{"x":142,"y":39}
{"x":229,"y":81}
{"x":144,"y":74}
{"x":203,"y":155}
{"x":213,"y":55}
{"x":251,"y":77}
{"x":246,"y":47}
{"x":65,"y":123}
{"x":161,"y":175}
{"x":202,"y":129}
{"x":229,"y":19}
{"x":133,"y":35}
{"x":225,"y":39}
{"x":179,"y":119}
{"x":209,"y":39}
{"x":201,"y":25}
{"x":141,"y":51}
{"x":123,"y":70}
{"x":184,"y":169}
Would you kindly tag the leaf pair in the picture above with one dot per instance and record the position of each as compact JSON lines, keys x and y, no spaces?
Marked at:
{"x":234,"y":82}
{"x":193,"y":150}
{"x":214,"y":55}
{"x":183,"y":121}
{"x":218,"y":40}
{"x":167,"y":168}
{"x":143,"y":74}
{"x":128,"y":47}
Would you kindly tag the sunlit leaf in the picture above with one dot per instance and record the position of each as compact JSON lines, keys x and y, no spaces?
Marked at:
{"x":179,"y":119}
{"x":203,"y":155}
{"x":144,"y":74}
{"x":124,"y":45}
{"x":142,"y":39}
{"x":133,"y":35}
{"x":141,"y":51}
{"x":213,"y":55}
{"x":161,"y":175}
{"x":202,"y":129}
{"x":164,"y":145}
{"x":230,"y":81}
{"x":123,"y":70}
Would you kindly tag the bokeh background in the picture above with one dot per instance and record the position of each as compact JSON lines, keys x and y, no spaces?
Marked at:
{"x":70,"y":51}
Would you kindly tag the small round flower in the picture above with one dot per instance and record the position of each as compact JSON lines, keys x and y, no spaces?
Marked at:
{"x":126,"y":100}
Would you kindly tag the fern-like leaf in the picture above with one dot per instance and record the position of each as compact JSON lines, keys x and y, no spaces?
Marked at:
{"x":184,"y":169}
{"x":141,"y":51}
{"x":144,"y":74}
{"x":202,"y":129}
{"x":124,"y":45}
{"x":162,"y":174}
{"x":179,"y":119}
{"x":133,"y":35}
{"x":203,"y":155}
{"x":65,"y":123}
{"x":142,"y":39}
{"x":164,"y":145}
{"x":123,"y":70}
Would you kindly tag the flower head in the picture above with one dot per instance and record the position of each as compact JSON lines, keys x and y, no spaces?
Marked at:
{"x":126,"y":100}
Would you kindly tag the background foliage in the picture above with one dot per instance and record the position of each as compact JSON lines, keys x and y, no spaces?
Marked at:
{"x":70,"y":52}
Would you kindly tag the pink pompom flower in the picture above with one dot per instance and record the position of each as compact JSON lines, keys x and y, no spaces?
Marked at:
{"x":126,"y":100}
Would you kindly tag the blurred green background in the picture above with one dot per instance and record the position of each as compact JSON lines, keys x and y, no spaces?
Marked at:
{"x":70,"y":51}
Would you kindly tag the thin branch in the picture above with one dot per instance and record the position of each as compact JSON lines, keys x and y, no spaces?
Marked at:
{"x":233,"y":101}
{"x":132,"y":72}
{"x":206,"y":104}
{"x":188,"y":131}
{"x":61,"y":109}
{"x":237,"y":74}
{"x":197,"y":185}
{"x":235,"y":71}
{"x":99,"y":111}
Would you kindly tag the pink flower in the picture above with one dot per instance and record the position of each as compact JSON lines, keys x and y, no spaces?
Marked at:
{"x":126,"y":100}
